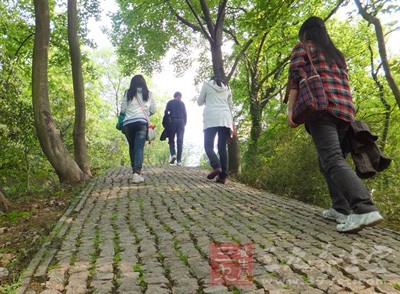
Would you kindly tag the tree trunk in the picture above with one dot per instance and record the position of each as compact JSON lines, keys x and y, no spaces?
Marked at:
{"x":79,"y":91}
{"x":256,"y":118}
{"x":213,"y":32}
{"x":382,"y":49}
{"x":216,"y":33}
{"x":217,"y":60}
{"x":234,"y":157}
{"x":65,"y":166}
{"x":4,"y":204}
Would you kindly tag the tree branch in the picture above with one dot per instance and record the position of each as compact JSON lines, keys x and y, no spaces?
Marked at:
{"x":220,"y":17}
{"x":333,"y":11}
{"x":23,"y":42}
{"x":382,"y":49}
{"x":207,"y":18}
{"x":238,"y":57}
{"x":183,"y":20}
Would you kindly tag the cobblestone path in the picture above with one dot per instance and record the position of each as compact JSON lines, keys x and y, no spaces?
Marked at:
{"x":155,"y":238}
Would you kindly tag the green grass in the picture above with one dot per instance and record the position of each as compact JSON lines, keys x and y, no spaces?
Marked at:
{"x":9,"y":289}
{"x":54,"y":266}
{"x":138,"y":268}
{"x":12,"y":287}
{"x":15,"y":216}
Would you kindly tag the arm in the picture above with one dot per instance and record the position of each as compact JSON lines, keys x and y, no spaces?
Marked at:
{"x":167,"y":108}
{"x":230,"y":101}
{"x":297,"y":60}
{"x":292,"y":97}
{"x":124,"y":103}
{"x":230,"y":105}
{"x":184,"y":114}
{"x":153,"y":106}
{"x":202,"y":97}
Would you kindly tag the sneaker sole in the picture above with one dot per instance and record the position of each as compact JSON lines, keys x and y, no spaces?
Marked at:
{"x":356,"y":230}
{"x":328,"y":218}
{"x":137,"y":182}
{"x":332,"y":219}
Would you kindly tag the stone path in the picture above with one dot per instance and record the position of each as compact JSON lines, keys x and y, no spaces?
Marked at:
{"x":155,"y":238}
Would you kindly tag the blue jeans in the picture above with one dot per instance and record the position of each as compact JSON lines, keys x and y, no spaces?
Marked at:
{"x":209,"y":137}
{"x":177,"y":128}
{"x":348,"y":192}
{"x":136,"y":134}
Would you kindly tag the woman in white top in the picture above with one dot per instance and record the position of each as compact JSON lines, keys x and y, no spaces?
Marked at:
{"x":137,"y":101}
{"x":217,"y":119}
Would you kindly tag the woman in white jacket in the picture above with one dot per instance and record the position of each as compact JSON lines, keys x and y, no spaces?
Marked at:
{"x":137,"y":104}
{"x":217,"y":119}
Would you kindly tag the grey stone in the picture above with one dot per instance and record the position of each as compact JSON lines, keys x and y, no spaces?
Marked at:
{"x":216,"y":290}
{"x":50,"y":291}
{"x":153,"y":289}
{"x":3,"y":272}
{"x":165,"y":227}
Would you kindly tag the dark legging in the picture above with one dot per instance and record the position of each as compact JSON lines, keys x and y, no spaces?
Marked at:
{"x":136,"y":134}
{"x":209,"y":137}
{"x":348,"y":192}
{"x":177,"y":129}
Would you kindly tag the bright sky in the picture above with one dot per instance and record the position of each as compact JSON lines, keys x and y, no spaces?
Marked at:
{"x":164,"y":84}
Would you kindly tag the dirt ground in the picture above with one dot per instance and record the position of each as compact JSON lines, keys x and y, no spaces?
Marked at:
{"x":22,"y":231}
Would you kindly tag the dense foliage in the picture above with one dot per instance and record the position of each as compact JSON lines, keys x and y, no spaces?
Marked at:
{"x":22,"y":162}
{"x":258,"y":38}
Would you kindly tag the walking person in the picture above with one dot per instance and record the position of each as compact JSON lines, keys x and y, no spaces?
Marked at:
{"x":217,"y":119}
{"x":137,"y":102}
{"x":352,"y":206}
{"x":177,"y":117}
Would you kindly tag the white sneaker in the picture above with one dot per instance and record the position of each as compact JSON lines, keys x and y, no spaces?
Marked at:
{"x":179,"y":163}
{"x":172,"y":159}
{"x":136,"y":178}
{"x":356,"y":222}
{"x":333,"y":214}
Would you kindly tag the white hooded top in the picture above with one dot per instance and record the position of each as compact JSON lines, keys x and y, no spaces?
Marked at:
{"x":218,"y":102}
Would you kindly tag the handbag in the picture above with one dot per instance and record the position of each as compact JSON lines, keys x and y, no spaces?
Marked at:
{"x":311,"y":102}
{"x":151,"y":133}
{"x":151,"y":129}
{"x":119,"y":125}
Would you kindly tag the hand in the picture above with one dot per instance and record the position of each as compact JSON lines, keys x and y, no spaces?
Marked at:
{"x":290,"y":120}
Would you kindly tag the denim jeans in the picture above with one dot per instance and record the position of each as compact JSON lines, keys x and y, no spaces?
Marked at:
{"x":347,"y":191}
{"x":177,"y":128}
{"x":136,"y":134}
{"x":209,"y":137}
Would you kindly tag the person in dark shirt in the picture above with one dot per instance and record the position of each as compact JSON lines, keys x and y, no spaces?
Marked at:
{"x":176,"y":111}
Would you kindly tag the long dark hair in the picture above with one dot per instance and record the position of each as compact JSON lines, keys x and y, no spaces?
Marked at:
{"x":138,"y":81}
{"x":313,"y":29}
{"x":218,"y":81}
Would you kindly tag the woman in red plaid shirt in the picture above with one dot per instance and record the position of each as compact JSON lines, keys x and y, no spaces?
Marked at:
{"x":352,"y":206}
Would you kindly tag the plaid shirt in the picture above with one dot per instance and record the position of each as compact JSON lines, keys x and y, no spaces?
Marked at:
{"x":334,"y":79}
